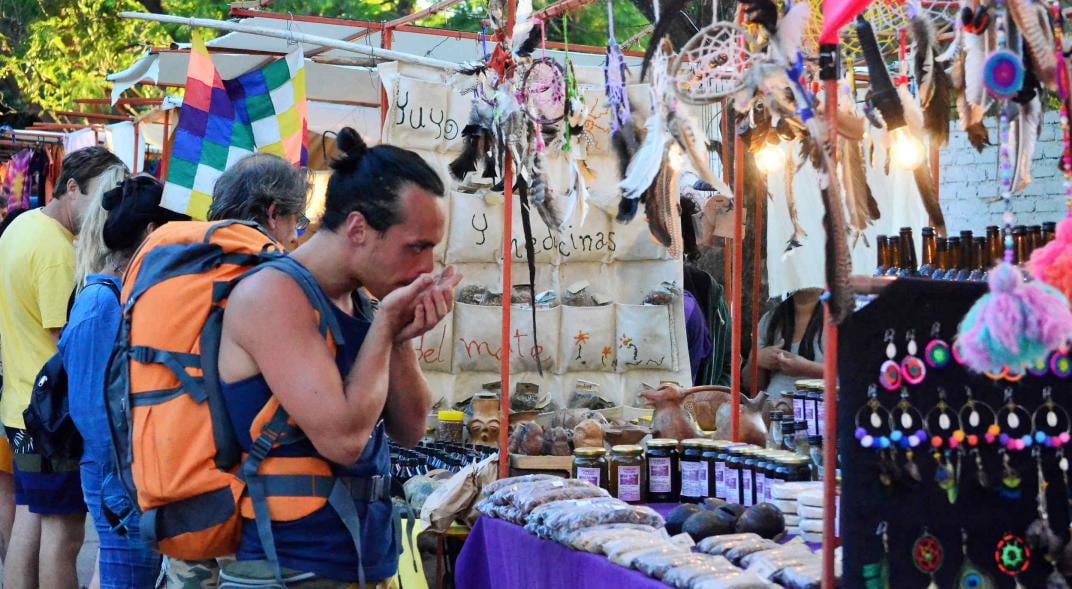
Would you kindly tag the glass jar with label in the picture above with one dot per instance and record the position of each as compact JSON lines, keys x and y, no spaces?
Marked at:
{"x":590,"y":464}
{"x":721,"y":457}
{"x":794,"y":469}
{"x":628,"y":474}
{"x":751,"y":488}
{"x":811,"y":410}
{"x":798,"y":397}
{"x":732,"y":476}
{"x":759,"y":475}
{"x":711,"y":450}
{"x":664,"y":477}
{"x":693,"y":471}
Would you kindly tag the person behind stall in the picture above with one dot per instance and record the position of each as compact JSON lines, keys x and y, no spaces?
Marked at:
{"x":37,"y":277}
{"x":709,"y":352}
{"x":116,"y":223}
{"x":266,"y":189}
{"x":384,"y":214}
{"x":790,"y":344}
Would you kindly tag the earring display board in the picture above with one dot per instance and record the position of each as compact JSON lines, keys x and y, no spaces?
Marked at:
{"x":930,"y":522}
{"x":624,"y":346}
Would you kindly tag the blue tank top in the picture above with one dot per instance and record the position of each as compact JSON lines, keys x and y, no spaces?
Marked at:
{"x":320,"y":543}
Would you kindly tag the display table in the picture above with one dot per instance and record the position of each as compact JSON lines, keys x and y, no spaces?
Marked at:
{"x":500,"y":554}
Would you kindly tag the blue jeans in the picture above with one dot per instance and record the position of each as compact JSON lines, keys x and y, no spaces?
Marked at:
{"x":125,"y":562}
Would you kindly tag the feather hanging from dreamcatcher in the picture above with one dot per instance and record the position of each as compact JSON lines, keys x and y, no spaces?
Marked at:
{"x":791,"y":27}
{"x":526,"y":34}
{"x":979,"y":40}
{"x":648,"y":159}
{"x":1033,"y":21}
{"x":928,"y":194}
{"x":796,"y":239}
{"x":933,"y":84}
{"x":863,"y":209}
{"x":576,"y":205}
{"x":622,"y":132}
{"x":478,"y":138}
{"x":663,"y":23}
{"x":662,"y":209}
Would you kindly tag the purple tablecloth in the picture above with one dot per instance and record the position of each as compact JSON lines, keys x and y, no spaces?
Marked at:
{"x":501,"y":555}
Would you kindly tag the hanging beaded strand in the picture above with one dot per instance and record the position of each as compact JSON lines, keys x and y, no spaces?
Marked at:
{"x":1062,"y":90}
{"x":1004,"y":162}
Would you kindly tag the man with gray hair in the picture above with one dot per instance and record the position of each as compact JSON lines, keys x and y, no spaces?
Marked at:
{"x":266,"y":189}
{"x":271,"y":192}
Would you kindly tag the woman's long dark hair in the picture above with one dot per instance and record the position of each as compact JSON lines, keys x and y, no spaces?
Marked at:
{"x":782,"y":322}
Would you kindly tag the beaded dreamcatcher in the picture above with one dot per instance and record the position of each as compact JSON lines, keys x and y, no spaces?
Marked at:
{"x":713,"y":63}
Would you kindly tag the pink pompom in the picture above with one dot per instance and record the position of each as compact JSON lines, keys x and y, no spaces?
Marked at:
{"x":1052,"y":263}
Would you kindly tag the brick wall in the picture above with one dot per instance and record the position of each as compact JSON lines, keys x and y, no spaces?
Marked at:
{"x":970,"y":190}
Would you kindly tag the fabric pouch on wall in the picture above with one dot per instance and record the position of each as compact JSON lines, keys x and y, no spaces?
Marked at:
{"x":645,"y":335}
{"x":587,"y":339}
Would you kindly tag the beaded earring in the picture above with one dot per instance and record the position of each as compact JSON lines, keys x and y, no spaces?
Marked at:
{"x":928,"y":556}
{"x":1051,"y":422}
{"x":971,"y":576}
{"x":877,"y":574}
{"x":890,"y":374}
{"x":1010,"y":479}
{"x":906,"y":430}
{"x":1015,"y":423}
{"x":913,"y":370}
{"x":937,"y":353}
{"x":977,"y":421}
{"x":872,"y":430}
{"x":942,"y":429}
{"x":1013,"y":557}
{"x":1040,"y":536}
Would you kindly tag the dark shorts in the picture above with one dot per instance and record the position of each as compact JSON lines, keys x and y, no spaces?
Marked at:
{"x":46,"y":487}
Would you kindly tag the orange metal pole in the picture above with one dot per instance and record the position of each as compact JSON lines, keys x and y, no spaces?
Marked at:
{"x":757,"y":267}
{"x":135,"y":164}
{"x":166,"y":151}
{"x":507,"y":285}
{"x":830,"y":364}
{"x":737,"y":288}
{"x":385,"y":43}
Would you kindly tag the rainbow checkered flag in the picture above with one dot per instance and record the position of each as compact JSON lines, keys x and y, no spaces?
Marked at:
{"x":223,"y":121}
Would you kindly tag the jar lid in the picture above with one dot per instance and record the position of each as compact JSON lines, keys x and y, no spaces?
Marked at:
{"x":589,"y":451}
{"x":627,"y":449}
{"x":796,"y":460}
{"x":693,"y":442}
{"x":716,"y":444}
{"x":451,"y":415}
{"x":662,"y":443}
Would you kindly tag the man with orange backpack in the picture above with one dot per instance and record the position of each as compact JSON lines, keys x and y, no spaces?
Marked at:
{"x":251,"y":393}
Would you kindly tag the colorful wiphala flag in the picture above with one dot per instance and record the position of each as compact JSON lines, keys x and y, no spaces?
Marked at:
{"x":223,"y":121}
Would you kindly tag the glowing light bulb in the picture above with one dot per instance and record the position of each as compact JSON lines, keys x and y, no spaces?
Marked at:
{"x":906,"y":151}
{"x":770,"y":158}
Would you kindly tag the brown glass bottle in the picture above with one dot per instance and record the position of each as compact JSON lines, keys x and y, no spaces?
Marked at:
{"x":909,"y":266}
{"x":941,"y":265}
{"x":1020,"y":245}
{"x":930,"y":248}
{"x":979,"y":264}
{"x":894,"y":252}
{"x":952,"y":247}
{"x":965,"y":268}
{"x":1036,"y":240}
{"x":1049,"y":232}
{"x":882,"y":246}
{"x":995,"y":250}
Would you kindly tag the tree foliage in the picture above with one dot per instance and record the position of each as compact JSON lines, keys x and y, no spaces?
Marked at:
{"x":55,"y":51}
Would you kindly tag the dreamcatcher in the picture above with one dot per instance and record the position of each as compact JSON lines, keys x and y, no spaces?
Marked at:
{"x":543,"y":91}
{"x":713,"y":63}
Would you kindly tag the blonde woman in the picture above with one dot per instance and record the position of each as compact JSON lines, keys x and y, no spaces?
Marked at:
{"x":115,"y":225}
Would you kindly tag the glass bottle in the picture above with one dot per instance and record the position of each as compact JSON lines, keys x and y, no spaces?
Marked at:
{"x":1036,"y":241}
{"x":941,"y":264}
{"x":815,"y":449}
{"x":1019,"y":244}
{"x":1049,"y":232}
{"x":909,"y":266}
{"x":953,"y":249}
{"x":789,"y":428}
{"x":894,"y":251}
{"x":882,"y":247}
{"x":995,"y":249}
{"x":929,"y":250}
{"x":979,"y":272}
{"x":774,"y":436}
{"x":964,"y":270}
{"x":800,"y":440}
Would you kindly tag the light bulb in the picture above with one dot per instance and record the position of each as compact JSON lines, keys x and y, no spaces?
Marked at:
{"x":906,"y":151}
{"x":770,"y":158}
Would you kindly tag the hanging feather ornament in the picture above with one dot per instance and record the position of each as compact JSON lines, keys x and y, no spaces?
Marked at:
{"x":928,"y":193}
{"x":1034,"y":24}
{"x":934,"y":84}
{"x":1016,"y":324}
{"x":526,"y":35}
{"x":978,"y":39}
{"x":1052,"y":263}
{"x":663,"y":23}
{"x":797,"y":238}
{"x":478,"y":135}
{"x":649,"y":157}
{"x":858,"y":197}
{"x":662,"y":209}
{"x":622,"y":133}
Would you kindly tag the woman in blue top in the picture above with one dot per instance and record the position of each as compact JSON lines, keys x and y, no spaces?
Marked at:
{"x":113,"y":229}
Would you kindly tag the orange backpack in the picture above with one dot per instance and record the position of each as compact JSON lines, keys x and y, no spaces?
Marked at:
{"x":175,"y":448}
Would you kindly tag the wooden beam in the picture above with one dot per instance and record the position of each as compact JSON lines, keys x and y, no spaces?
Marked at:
{"x":91,"y":115}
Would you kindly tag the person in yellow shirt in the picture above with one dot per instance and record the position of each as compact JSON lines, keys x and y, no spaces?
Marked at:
{"x":37,"y":278}
{"x":7,"y":467}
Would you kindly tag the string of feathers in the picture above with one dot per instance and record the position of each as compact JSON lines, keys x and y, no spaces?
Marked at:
{"x":979,"y":39}
{"x":530,"y":257}
{"x":934,"y":84}
{"x":1033,"y":20}
{"x":928,"y":194}
{"x":664,"y":22}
